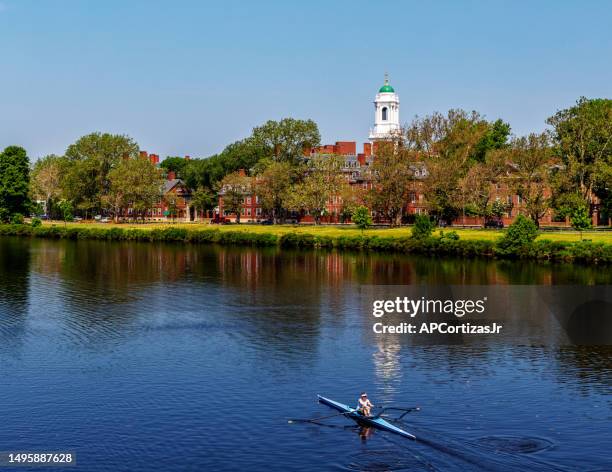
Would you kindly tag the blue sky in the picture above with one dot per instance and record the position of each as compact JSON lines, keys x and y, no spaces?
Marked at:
{"x":189,"y":77}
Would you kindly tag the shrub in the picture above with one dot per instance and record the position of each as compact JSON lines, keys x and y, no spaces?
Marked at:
{"x":423,"y":227}
{"x":17,"y":219}
{"x":518,"y":237}
{"x":36,"y":222}
{"x":451,"y":235}
{"x":362,"y":218}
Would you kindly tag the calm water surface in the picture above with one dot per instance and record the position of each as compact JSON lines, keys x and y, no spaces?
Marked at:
{"x":144,"y":357}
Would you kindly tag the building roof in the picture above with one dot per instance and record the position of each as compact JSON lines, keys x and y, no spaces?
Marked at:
{"x":386,"y":88}
{"x":170,"y":184}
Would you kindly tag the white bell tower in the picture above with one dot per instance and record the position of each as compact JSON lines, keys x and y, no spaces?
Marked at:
{"x":386,"y":113}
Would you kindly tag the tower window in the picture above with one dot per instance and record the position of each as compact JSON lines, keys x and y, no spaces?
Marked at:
{"x":384,"y":113}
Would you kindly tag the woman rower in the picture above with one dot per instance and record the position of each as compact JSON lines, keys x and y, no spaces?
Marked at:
{"x":364,"y":405}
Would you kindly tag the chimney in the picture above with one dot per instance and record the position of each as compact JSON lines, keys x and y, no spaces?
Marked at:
{"x":143,"y":154}
{"x":171,"y":175}
{"x":361,"y":158}
{"x":367,"y":149}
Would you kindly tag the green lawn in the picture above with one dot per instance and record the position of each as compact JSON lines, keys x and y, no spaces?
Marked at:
{"x":595,"y":236}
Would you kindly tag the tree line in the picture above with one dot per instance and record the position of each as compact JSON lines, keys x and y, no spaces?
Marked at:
{"x":453,"y":159}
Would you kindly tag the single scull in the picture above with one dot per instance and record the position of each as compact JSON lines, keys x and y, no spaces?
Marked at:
{"x":375,"y":421}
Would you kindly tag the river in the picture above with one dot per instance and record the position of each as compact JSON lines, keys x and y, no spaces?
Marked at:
{"x":145,"y":357}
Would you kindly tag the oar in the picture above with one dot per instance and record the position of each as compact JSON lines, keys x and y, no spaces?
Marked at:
{"x":314,"y":420}
{"x":405,"y":410}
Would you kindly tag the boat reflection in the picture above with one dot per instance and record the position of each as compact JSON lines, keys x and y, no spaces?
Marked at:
{"x":366,"y":432}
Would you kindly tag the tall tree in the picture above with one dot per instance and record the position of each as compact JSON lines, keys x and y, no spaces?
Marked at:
{"x":46,"y":179}
{"x":322,"y":181}
{"x":14,"y":182}
{"x":393,"y":176}
{"x":583,"y":138}
{"x":287,"y":139}
{"x":234,"y":188}
{"x":174,"y":164}
{"x":92,"y":158}
{"x":134,"y":183}
{"x":531,"y":157}
{"x":272,"y":186}
{"x":203,"y":200}
{"x":449,"y":145}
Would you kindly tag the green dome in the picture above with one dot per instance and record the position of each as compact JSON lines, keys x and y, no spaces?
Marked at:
{"x":386,"y":89}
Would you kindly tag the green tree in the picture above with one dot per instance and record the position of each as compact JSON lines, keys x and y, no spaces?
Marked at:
{"x":393,"y":176}
{"x":46,"y":179}
{"x":362,"y":218}
{"x":91,"y":159}
{"x":203,"y":200}
{"x":272,"y":186}
{"x":14,"y":182}
{"x":134,"y":183}
{"x":174,"y":164}
{"x":450,"y":144}
{"x":495,"y":137}
{"x":322,"y":181}
{"x":66,"y":210}
{"x":531,"y":157}
{"x":583,"y":138}
{"x":581,"y":221}
{"x":475,"y":186}
{"x":234,"y":188}
{"x":287,"y":139}
{"x":209,"y":172}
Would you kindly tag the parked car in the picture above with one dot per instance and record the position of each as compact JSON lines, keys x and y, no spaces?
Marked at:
{"x":219,"y":220}
{"x":494,"y":223}
{"x":104,"y":220}
{"x":267,"y":222}
{"x":78,"y":218}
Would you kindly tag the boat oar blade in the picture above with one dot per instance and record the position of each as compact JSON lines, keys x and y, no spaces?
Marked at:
{"x":314,"y":420}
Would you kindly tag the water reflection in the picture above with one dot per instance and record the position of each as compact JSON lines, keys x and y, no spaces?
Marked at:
{"x":146,"y":339}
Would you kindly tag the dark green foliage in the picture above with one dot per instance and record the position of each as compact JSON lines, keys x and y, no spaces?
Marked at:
{"x":519,"y":235}
{"x":450,"y":235}
{"x":496,"y":137}
{"x":174,"y":164}
{"x":14,"y":182}
{"x":423,"y":227}
{"x":17,"y":219}
{"x":36,"y":222}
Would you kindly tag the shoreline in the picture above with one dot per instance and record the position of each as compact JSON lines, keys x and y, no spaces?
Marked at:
{"x":586,"y":252}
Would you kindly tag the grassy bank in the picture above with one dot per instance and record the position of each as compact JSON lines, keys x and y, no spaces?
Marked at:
{"x":348,"y":230}
{"x":387,"y":240}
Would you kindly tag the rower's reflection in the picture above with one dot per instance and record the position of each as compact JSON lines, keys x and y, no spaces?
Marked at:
{"x":365,"y":432}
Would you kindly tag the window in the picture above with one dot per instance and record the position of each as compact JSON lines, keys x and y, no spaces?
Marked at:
{"x":248,"y":200}
{"x":248,"y":212}
{"x":384,"y":114}
{"x":258,"y":211}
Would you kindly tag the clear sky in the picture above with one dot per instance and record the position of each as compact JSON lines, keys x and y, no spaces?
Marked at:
{"x":188,"y":77}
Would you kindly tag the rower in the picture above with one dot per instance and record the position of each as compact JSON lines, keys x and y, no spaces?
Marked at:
{"x":364,"y":405}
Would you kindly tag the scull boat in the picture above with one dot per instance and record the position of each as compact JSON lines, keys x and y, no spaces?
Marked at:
{"x":375,"y":421}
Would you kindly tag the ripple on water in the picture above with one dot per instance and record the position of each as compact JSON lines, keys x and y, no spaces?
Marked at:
{"x":516,"y":444}
{"x":386,"y":460}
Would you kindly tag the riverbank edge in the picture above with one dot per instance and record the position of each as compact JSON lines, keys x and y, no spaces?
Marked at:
{"x":586,"y":252}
